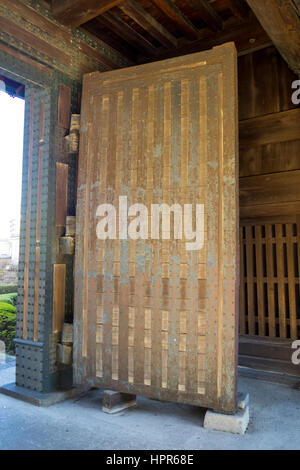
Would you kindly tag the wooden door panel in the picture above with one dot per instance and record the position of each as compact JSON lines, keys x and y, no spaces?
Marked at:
{"x":152,"y":318}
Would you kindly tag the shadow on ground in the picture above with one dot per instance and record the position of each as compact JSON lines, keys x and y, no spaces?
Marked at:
{"x":80,"y":423}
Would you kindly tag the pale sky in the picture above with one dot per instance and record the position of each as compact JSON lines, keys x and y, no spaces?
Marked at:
{"x":11,"y":153}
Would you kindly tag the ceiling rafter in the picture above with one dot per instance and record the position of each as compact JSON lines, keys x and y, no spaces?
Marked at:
{"x":281,"y":21}
{"x":239,"y":8}
{"x":208,"y":14}
{"x":95,"y":28}
{"x":233,"y":31}
{"x":174,"y":13}
{"x":133,"y":9}
{"x":74,"y":13}
{"x":129,"y":27}
{"x":297,"y":5}
{"x":125,"y":31}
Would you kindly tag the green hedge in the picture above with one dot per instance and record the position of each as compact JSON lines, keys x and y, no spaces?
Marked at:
{"x":9,"y":298}
{"x":8,"y":289}
{"x":8,"y":326}
{"x":7,"y":307}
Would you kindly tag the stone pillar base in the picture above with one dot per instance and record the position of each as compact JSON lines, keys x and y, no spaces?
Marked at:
{"x":236,"y":424}
{"x":36,"y":398}
{"x":114,"y":402}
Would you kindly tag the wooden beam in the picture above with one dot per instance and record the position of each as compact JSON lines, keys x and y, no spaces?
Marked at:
{"x":241,"y":34}
{"x":62,"y":171}
{"x":42,"y":45}
{"x":95,"y":27}
{"x":208,"y":14}
{"x":280,"y":20}
{"x":272,"y":194}
{"x":270,"y":129}
{"x":265,"y":355}
{"x":239,"y":8}
{"x":101,"y":57}
{"x":145,"y":20}
{"x":73,"y":13}
{"x":297,"y":5}
{"x":59,"y":297}
{"x":174,"y":13}
{"x":125,"y":31}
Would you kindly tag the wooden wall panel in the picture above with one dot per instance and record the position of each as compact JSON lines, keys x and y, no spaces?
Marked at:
{"x":271,"y":158}
{"x":279,"y":192}
{"x":269,"y":136}
{"x":59,"y":297}
{"x":61,"y":194}
{"x":265,"y":82}
{"x":29,"y":27}
{"x":268,"y":354}
{"x":64,"y":106}
{"x":270,"y":129}
{"x":269,"y":121}
{"x":150,"y":317}
{"x":269,"y":211}
{"x":270,"y":282}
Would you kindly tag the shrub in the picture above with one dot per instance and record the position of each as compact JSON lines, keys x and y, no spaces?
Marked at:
{"x":9,"y":298}
{"x":4,"y":298}
{"x":5,"y":307}
{"x":8,"y":326}
{"x":8,"y":289}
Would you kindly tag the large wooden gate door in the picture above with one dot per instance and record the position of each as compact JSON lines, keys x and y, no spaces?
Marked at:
{"x":151,"y":317}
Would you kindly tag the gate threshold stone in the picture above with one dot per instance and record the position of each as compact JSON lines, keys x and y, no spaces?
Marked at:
{"x":36,"y":398}
{"x":114,"y":402}
{"x":235,"y":424}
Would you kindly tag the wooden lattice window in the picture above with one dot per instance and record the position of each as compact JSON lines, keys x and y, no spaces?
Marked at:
{"x":269,"y":273}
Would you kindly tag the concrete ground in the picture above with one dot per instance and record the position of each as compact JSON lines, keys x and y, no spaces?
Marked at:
{"x":80,"y":424}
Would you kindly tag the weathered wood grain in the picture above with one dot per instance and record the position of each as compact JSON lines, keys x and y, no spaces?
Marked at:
{"x":282,"y":23}
{"x":64,"y":106}
{"x":28,"y":212}
{"x":269,"y":204}
{"x":270,"y":194}
{"x":61,"y":194}
{"x":208,"y":14}
{"x":270,"y":129}
{"x":124,"y":30}
{"x":133,"y":9}
{"x":271,"y":277}
{"x":174,"y":13}
{"x":147,"y":312}
{"x":59,"y":292}
{"x":73,"y":13}
{"x":232,"y":30}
